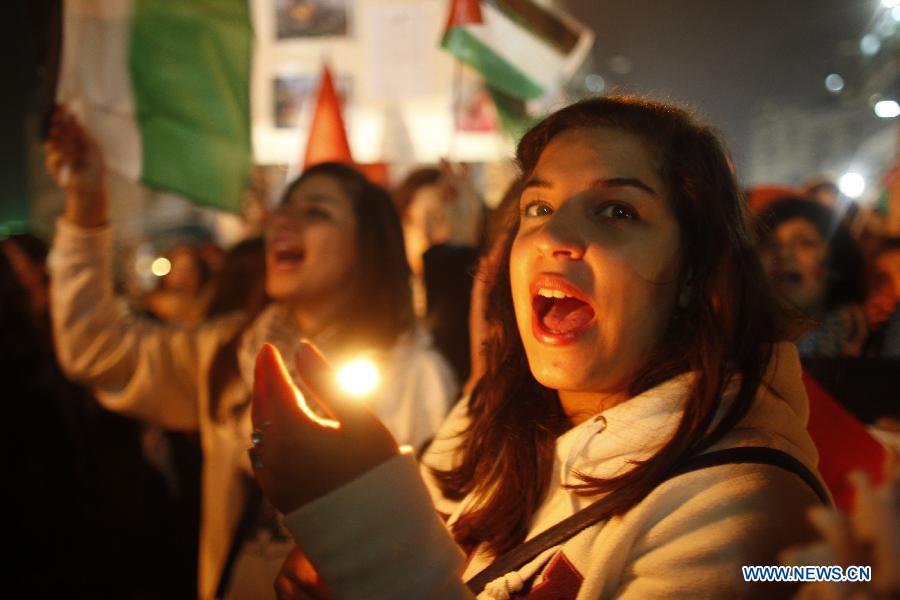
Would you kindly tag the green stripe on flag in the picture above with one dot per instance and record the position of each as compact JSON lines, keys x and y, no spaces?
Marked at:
{"x":513,"y":114}
{"x":883,"y":203}
{"x":495,"y":70}
{"x":190,"y":66}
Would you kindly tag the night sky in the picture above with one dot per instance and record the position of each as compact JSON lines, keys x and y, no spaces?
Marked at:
{"x":726,"y":57}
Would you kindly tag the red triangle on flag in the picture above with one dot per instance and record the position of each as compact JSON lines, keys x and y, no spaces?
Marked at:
{"x":464,"y":12}
{"x":327,"y":140}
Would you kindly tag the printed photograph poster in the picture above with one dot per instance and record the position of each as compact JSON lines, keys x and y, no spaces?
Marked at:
{"x":295,"y":92}
{"x":473,"y":107}
{"x":400,"y":48}
{"x":310,"y":18}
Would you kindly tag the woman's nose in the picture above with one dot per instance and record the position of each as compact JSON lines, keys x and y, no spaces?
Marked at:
{"x":784,"y":252}
{"x":281,"y":221}
{"x":561,"y":236}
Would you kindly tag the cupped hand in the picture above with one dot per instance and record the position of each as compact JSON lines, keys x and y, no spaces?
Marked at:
{"x":299,"y":455}
{"x":75,"y":163}
{"x":298,"y":579}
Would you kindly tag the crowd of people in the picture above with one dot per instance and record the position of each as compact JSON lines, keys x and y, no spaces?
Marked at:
{"x":625,"y":331}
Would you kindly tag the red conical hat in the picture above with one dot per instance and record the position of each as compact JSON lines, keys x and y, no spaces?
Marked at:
{"x":327,"y":135}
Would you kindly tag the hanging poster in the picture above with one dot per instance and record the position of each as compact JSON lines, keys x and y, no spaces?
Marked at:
{"x":310,"y":18}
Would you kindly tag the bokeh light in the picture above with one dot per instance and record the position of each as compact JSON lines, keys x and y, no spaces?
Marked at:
{"x":834,"y":83}
{"x":161,"y":266}
{"x":869,"y":44}
{"x":595,"y":83}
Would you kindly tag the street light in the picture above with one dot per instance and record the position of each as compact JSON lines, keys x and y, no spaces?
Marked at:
{"x":852,"y":184}
{"x":887,"y":109}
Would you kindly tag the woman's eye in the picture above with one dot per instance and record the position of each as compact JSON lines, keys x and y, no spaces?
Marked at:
{"x":808,"y":243}
{"x":538,"y":209}
{"x":616,"y":211}
{"x":316,"y":213}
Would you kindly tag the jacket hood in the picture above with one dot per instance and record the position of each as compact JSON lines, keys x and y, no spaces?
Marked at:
{"x":607,"y":444}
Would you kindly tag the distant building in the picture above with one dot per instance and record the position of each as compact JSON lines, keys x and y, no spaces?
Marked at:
{"x":790,"y":144}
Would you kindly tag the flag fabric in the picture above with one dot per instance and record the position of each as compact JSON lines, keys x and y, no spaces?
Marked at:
{"x":515,"y":118}
{"x":843,"y":442}
{"x":522,"y":48}
{"x":163,"y":85}
{"x":888,"y":203}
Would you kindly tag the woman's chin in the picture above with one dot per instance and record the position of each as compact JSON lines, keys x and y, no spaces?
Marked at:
{"x":283,"y":292}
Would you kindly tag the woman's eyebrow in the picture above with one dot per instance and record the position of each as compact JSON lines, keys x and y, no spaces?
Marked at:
{"x":313,"y":199}
{"x":535,"y":182}
{"x":634,"y":182}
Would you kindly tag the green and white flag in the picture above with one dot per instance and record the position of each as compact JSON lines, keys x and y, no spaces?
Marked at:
{"x":164,"y":87}
{"x":521,"y":47}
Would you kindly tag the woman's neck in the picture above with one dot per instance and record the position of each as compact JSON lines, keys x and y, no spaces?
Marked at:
{"x":322,"y":323}
{"x":581,"y":406}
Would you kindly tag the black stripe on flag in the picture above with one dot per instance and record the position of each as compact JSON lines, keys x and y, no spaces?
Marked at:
{"x":541,"y":22}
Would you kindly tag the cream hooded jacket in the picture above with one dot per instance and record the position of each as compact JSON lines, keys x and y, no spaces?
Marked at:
{"x":161,"y":374}
{"x":380,"y":537}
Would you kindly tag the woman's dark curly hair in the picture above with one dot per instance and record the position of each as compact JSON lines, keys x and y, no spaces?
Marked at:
{"x":727,"y":328}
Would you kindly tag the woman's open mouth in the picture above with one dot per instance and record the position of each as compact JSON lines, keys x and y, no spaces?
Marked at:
{"x":788,"y":277}
{"x":560,"y":312}
{"x":287,"y":259}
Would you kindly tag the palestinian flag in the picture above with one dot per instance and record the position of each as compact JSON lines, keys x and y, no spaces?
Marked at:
{"x":522,"y":48}
{"x":164,"y":87}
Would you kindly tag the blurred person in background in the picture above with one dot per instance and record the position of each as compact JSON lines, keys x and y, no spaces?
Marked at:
{"x":178,"y":299}
{"x":883,"y":307}
{"x":87,"y":516}
{"x":442,"y":217}
{"x":336,"y":273}
{"x":824,"y":191}
{"x":240,"y":282}
{"x":818,"y":274}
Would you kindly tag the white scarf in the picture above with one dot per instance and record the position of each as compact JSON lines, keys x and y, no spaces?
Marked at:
{"x":275,"y":325}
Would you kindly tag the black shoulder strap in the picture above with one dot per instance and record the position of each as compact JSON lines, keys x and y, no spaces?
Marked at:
{"x":760,"y":456}
{"x":600,"y":510}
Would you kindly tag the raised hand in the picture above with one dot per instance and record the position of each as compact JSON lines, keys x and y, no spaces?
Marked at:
{"x":75,"y":162}
{"x":464,"y":206}
{"x":299,"y":455}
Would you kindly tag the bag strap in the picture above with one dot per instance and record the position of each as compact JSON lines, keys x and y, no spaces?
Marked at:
{"x":601,"y":509}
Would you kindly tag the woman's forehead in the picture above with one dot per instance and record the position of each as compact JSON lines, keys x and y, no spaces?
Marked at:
{"x":798,"y":224}
{"x":597,"y":157}
{"x":319,"y":189}
{"x":597,"y":152}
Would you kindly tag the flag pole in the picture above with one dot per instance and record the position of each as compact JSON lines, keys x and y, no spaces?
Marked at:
{"x":456,"y":108}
